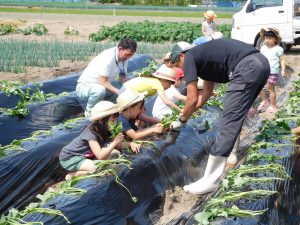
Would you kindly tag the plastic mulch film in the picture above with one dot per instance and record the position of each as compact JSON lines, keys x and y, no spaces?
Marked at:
{"x":176,"y":160}
{"x":25,"y":174}
{"x":42,"y":116}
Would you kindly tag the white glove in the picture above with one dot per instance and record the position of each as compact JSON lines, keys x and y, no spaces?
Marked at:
{"x":176,"y":125}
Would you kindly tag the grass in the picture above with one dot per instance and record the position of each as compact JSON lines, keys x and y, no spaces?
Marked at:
{"x":113,"y":12}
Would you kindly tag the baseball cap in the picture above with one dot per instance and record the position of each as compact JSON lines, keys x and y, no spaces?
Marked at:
{"x":178,"y":48}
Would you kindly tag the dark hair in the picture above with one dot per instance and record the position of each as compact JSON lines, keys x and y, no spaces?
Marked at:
{"x":142,"y":105}
{"x":128,"y":43}
{"x":100,"y":129}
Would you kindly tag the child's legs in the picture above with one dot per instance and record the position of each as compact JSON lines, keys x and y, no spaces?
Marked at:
{"x":78,"y":166}
{"x":262,"y":95}
{"x":273,"y":78}
{"x":272,"y":93}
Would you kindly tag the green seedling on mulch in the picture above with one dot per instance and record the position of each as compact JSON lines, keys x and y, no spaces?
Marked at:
{"x":148,"y":70}
{"x":214,"y":207}
{"x":236,"y":178}
{"x":115,"y":129}
{"x":169,"y":118}
{"x":151,"y":143}
{"x":14,"y":216}
{"x":27,"y":96}
{"x":69,"y":124}
{"x":257,"y":156}
{"x":104,"y":167}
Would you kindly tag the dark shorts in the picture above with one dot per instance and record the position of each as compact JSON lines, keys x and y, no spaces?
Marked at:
{"x":246,"y":81}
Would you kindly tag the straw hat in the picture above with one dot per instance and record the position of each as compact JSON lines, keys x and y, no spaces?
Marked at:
{"x":273,"y":32}
{"x":129,"y":98}
{"x":167,"y":56}
{"x":103,"y":109}
{"x":209,"y":14}
{"x":179,"y":47}
{"x":165,"y":73}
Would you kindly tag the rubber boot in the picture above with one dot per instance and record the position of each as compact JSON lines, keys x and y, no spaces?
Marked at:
{"x":211,"y":179}
{"x":233,"y":159}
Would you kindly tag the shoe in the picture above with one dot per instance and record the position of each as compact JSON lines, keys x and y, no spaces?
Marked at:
{"x":211,"y":179}
{"x":262,"y":105}
{"x":272,"y":109}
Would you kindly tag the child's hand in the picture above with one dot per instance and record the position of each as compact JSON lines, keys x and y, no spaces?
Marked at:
{"x":158,"y":128}
{"x":135,"y":147}
{"x":119,"y":138}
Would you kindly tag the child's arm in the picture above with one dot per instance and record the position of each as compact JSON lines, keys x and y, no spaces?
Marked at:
{"x":103,"y":153}
{"x":203,"y":29}
{"x":167,"y":101}
{"x":148,"y":119}
{"x":282,"y":62}
{"x":139,"y":134}
{"x":180,"y":97}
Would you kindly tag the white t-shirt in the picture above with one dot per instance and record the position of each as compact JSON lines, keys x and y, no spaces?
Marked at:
{"x":160,"y":108}
{"x":273,"y":55}
{"x":209,"y":28}
{"x":105,"y":64}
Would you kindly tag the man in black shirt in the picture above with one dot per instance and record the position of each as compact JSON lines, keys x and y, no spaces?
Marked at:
{"x":222,"y":61}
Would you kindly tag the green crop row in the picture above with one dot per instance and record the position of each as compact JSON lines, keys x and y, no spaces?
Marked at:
{"x":16,"y":55}
{"x":154,"y":32}
{"x":10,"y":28}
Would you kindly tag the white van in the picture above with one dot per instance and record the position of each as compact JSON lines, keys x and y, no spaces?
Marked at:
{"x":257,"y":14}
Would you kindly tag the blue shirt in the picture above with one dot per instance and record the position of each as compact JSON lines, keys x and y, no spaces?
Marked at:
{"x":127,"y":124}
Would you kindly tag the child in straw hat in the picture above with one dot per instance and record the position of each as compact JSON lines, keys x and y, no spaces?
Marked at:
{"x":132,"y":104}
{"x":274,"y":53}
{"x":77,"y":157}
{"x":209,"y":26}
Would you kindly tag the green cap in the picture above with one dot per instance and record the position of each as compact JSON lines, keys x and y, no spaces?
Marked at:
{"x":178,"y":48}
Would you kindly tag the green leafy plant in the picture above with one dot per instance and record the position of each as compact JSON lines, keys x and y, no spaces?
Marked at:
{"x":70,"y":31}
{"x":115,"y":129}
{"x":8,"y":28}
{"x":147,"y":71}
{"x":169,"y":118}
{"x":37,"y":28}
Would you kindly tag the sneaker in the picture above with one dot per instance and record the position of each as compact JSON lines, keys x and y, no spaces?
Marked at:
{"x":272,"y":109}
{"x":262,"y":105}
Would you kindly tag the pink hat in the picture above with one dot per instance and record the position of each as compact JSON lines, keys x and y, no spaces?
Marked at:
{"x":165,"y":73}
{"x":179,"y":72}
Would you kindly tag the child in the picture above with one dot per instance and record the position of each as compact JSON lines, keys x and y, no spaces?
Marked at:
{"x":132,"y":104}
{"x":167,"y":60}
{"x":274,"y":53}
{"x":160,"y":108}
{"x":209,"y":26}
{"x":162,"y":79}
{"x":77,"y":156}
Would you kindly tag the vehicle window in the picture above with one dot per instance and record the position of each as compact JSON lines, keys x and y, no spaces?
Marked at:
{"x":297,"y":8}
{"x":267,"y":3}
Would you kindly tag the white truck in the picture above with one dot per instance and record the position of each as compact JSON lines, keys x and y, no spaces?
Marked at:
{"x":256,"y":14}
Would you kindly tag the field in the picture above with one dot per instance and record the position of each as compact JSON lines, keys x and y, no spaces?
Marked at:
{"x":177,"y":201}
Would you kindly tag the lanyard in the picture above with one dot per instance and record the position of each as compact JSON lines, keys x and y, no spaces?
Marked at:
{"x":121,"y":71}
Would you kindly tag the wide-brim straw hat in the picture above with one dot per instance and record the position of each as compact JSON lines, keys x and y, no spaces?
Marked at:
{"x":165,"y":73}
{"x":209,"y":14}
{"x":272,"y":30}
{"x":103,"y":109}
{"x":167,"y":56}
{"x":129,"y":98}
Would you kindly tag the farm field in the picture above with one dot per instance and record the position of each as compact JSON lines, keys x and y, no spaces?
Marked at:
{"x":177,"y":201}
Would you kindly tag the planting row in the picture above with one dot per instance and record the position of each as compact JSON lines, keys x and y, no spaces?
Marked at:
{"x":155,"y":32}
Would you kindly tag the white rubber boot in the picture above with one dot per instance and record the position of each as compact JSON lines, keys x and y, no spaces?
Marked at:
{"x":210,"y":181}
{"x":233,"y":159}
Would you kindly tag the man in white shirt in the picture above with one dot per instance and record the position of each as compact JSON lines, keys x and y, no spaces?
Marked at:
{"x":95,"y":82}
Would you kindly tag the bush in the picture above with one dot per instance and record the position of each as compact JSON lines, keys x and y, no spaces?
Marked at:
{"x":154,"y":32}
{"x":8,"y":28}
{"x":37,"y":28}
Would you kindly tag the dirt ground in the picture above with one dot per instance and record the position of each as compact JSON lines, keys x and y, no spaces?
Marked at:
{"x":57,"y":24}
{"x":177,"y":201}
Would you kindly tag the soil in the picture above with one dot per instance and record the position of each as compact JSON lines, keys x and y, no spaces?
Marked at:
{"x":177,"y":201}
